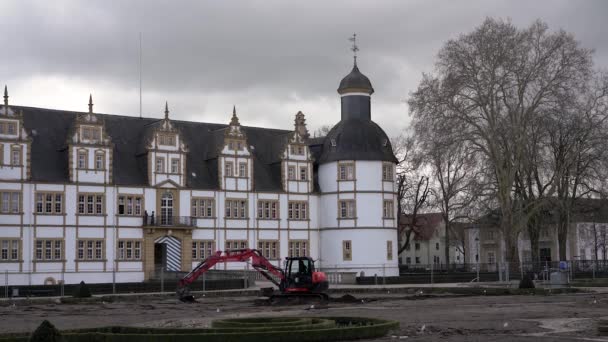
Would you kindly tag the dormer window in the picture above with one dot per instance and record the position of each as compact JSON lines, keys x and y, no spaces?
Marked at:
{"x":160,"y":164}
{"x":242,"y":169}
{"x":166,"y":139}
{"x":9,"y":128}
{"x":239,"y":146}
{"x":175,"y":165}
{"x":291,"y":173}
{"x":303,"y":173}
{"x":99,"y":160}
{"x":16,"y":155}
{"x":82,"y":159}
{"x":91,"y":133}
{"x":297,"y":150}
{"x":228,"y":169}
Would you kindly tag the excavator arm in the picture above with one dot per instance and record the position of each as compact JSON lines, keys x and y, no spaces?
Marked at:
{"x":258,"y":262}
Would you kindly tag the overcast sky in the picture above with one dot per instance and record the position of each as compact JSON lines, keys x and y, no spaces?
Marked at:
{"x":269,"y":58}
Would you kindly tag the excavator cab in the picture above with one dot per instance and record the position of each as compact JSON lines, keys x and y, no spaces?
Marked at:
{"x":300,"y":276}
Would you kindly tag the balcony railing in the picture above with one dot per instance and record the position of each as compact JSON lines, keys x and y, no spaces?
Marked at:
{"x":169,"y":221}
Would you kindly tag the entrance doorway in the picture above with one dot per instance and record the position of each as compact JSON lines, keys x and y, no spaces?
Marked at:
{"x":160,"y":256}
{"x":168,"y":253}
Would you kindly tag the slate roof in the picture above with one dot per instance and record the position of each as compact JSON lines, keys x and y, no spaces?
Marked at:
{"x":49,"y":131}
{"x":355,"y":81}
{"x":356,"y":139}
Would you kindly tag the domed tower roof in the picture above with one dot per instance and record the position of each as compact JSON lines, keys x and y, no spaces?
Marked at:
{"x":355,"y":82}
{"x":356,"y":139}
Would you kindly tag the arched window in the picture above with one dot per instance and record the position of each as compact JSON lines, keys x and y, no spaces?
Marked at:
{"x":166,"y":209}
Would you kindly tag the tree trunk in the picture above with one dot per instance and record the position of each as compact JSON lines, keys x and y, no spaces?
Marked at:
{"x":447,"y":243}
{"x":562,"y":233}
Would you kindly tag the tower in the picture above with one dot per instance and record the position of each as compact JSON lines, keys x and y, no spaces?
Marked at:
{"x":358,"y":192}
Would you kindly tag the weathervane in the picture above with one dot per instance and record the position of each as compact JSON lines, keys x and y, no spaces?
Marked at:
{"x":354,"y":48}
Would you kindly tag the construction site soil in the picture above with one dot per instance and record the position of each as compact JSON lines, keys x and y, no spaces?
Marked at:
{"x":422,"y":317}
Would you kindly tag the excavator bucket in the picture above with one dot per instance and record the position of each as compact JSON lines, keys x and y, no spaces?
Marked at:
{"x":184,"y":295}
{"x":188,"y":299}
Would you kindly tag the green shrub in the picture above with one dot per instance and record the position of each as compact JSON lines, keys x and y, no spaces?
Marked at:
{"x":526,"y":282}
{"x":82,"y":291}
{"x":46,"y":332}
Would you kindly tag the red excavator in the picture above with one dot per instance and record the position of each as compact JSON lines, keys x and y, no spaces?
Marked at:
{"x":299,"y":278}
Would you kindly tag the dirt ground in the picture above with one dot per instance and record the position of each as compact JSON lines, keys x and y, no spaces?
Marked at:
{"x":569,"y":317}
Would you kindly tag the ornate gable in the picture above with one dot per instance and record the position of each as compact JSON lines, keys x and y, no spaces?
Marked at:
{"x":89,"y":129}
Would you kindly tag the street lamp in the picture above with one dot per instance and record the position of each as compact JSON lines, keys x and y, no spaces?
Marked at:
{"x":477,"y":256}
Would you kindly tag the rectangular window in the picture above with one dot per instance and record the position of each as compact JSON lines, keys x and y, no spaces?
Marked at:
{"x":387,"y":172}
{"x":202,"y":249}
{"x":346,"y":209}
{"x":291,"y":173}
{"x":298,"y":248}
{"x":130,"y":205}
{"x":389,"y":250}
{"x":235,"y":244}
{"x":16,"y":155}
{"x":99,"y":161}
{"x":268,"y":210}
{"x":417,"y":260}
{"x":417,"y":246}
{"x":10,"y":250}
{"x":303,"y":173}
{"x":297,"y":210}
{"x":160,"y":165}
{"x":347,"y":250}
{"x":9,"y":128}
{"x":49,"y":250}
{"x":174,"y":165}
{"x":242,"y":169}
{"x":202,"y":207}
{"x":82,"y":159}
{"x":228,"y":169}
{"x":346,"y":171}
{"x":10,"y":202}
{"x":269,"y":249}
{"x":91,"y":133}
{"x":49,"y":203}
{"x":387,"y":209}
{"x":91,"y":204}
{"x":128,"y":250}
{"x":166,"y":139}
{"x":491,"y":258}
{"x":236,"y":209}
{"x":90,"y":250}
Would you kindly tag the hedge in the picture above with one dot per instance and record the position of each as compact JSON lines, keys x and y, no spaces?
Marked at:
{"x":266,"y":329}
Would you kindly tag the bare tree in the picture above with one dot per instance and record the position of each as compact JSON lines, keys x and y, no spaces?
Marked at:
{"x":489,"y":87}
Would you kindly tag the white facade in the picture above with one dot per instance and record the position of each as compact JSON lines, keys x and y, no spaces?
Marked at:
{"x":90,"y":229}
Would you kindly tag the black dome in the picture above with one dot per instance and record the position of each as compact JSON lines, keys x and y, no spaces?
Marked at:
{"x":355,"y":82}
{"x":356,"y":139}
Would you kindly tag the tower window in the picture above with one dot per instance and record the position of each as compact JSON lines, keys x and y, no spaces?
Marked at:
{"x":346,"y":171}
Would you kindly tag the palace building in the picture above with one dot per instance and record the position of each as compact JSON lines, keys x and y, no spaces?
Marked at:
{"x":96,"y":197}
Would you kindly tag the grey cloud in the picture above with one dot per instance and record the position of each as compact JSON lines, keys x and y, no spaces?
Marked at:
{"x":274,"y":57}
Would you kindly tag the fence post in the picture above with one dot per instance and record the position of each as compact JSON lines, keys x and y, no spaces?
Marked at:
{"x":62,"y":283}
{"x":162,"y":280}
{"x":245,"y":276}
{"x":6,"y":284}
{"x":383,"y":274}
{"x":114,"y":279}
